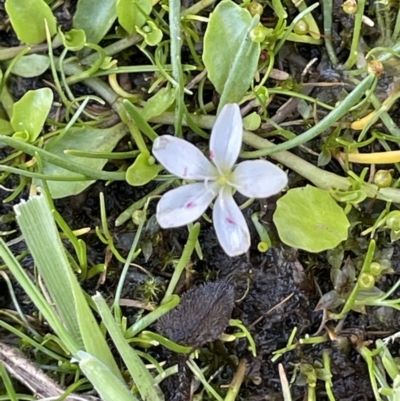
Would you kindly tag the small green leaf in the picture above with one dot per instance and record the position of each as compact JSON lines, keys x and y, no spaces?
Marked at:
{"x":132,"y":13}
{"x":95,"y":18}
{"x":89,"y":139}
{"x":27,"y":19}
{"x":74,"y":39}
{"x":231,"y":58}
{"x":142,"y":171}
{"x":252,"y":122}
{"x":109,"y":386}
{"x":308,"y":218}
{"x":159,"y":103}
{"x":31,"y":66}
{"x":151,"y":33}
{"x":30,"y":112}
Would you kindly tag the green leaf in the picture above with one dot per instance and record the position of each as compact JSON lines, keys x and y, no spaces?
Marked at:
{"x":5,"y":127}
{"x":31,"y":66}
{"x":74,"y":39}
{"x":30,"y":112}
{"x":231,"y":58}
{"x":252,"y":122}
{"x":141,"y":376}
{"x":89,"y":139}
{"x":132,"y":13}
{"x":142,"y":171}
{"x":95,"y":18}
{"x":308,"y":218}
{"x":159,"y":103}
{"x":109,"y":386}
{"x":151,"y":33}
{"x":27,"y":19}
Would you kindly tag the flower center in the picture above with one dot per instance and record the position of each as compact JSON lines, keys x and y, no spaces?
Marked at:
{"x":222,"y":180}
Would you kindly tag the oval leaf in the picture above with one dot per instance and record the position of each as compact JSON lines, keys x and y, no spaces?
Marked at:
{"x":30,"y":112}
{"x":89,"y":139}
{"x":95,"y":18}
{"x":31,"y":66}
{"x":308,"y":218}
{"x":159,"y":103}
{"x":133,"y":13}
{"x":230,"y":57}
{"x":27,"y":19}
{"x":141,"y":171}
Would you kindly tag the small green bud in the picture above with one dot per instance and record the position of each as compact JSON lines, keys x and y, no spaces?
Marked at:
{"x":259,"y":33}
{"x":255,"y":8}
{"x":383,"y":178}
{"x":262,"y":247}
{"x":151,"y":160}
{"x":138,"y":216}
{"x":301,"y":28}
{"x":366,"y":281}
{"x":350,"y":7}
{"x":375,"y":268}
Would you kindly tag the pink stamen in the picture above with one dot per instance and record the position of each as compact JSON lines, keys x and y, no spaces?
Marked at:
{"x":190,"y":204}
{"x":212,"y":155}
{"x":230,"y":220}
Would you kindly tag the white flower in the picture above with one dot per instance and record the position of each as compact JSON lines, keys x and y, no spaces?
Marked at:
{"x":215,"y":178}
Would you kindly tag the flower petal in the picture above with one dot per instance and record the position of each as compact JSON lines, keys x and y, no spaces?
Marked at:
{"x":182,"y":158}
{"x":185,"y":204}
{"x":258,"y":179}
{"x":226,"y":138}
{"x":230,"y":225}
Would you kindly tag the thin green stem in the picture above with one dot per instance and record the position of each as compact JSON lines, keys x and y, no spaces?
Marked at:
{"x":127,"y":213}
{"x":356,"y":289}
{"x":176,"y":44}
{"x":356,"y":35}
{"x":183,"y":261}
{"x":197,"y":7}
{"x":59,"y":161}
{"x":322,"y":125}
{"x":153,"y":316}
{"x":396,"y":30}
{"x":131,"y":256}
{"x":328,"y":12}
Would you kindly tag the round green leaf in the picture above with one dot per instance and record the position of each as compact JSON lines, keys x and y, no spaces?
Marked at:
{"x":74,"y":39}
{"x":30,"y":112}
{"x":308,"y":218}
{"x":27,"y":18}
{"x":31,"y":66}
{"x":252,"y":122}
{"x":142,"y":171}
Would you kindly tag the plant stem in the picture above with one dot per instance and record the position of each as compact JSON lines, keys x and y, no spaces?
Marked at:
{"x":327,"y":10}
{"x":127,"y":213}
{"x":197,"y":7}
{"x":354,"y":293}
{"x":183,"y":261}
{"x":176,"y":44}
{"x":356,"y":35}
{"x":59,"y":161}
{"x":323,"y":124}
